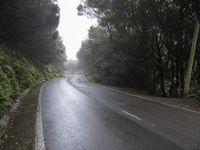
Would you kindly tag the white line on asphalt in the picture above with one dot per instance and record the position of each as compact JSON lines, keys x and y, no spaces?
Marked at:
{"x":133,"y":116}
{"x":39,"y":137}
{"x":147,"y":99}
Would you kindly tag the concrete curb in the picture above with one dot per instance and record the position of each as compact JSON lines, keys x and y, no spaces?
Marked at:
{"x":39,"y":137}
{"x":6,"y":117}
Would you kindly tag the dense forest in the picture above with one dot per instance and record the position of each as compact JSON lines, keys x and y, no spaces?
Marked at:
{"x":30,"y":46}
{"x":142,"y":43}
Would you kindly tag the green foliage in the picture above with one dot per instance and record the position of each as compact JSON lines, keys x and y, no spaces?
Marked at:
{"x":33,"y":26}
{"x":17,"y":74}
{"x":5,"y":89}
{"x":10,"y":72}
{"x":51,"y":72}
{"x":26,"y":74}
{"x":94,"y":78}
{"x":143,"y":44}
{"x":29,"y":40}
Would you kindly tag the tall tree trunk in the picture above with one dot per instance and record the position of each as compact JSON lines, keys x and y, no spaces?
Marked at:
{"x":162,"y":82}
{"x":110,"y":32}
{"x":181,"y":78}
{"x":191,"y":60}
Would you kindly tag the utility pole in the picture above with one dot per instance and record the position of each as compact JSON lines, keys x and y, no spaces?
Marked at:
{"x":191,"y":60}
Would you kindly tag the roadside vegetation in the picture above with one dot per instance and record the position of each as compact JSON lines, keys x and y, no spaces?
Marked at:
{"x":31,"y":49}
{"x":17,"y":74}
{"x":145,"y":44}
{"x":72,"y":67}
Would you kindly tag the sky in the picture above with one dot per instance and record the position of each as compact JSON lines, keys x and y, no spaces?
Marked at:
{"x":73,"y":28}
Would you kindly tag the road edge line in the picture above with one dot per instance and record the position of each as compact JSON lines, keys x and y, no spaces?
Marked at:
{"x":156,"y":102}
{"x":145,"y":99}
{"x":39,"y":136}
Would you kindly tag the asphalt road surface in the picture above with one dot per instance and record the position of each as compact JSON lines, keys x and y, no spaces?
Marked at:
{"x":79,"y":115}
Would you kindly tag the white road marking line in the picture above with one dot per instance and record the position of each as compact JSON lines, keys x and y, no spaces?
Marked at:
{"x":133,"y":116}
{"x":39,"y":137}
{"x":144,"y":98}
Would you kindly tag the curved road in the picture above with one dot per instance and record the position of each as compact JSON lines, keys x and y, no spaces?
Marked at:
{"x":78,"y":115}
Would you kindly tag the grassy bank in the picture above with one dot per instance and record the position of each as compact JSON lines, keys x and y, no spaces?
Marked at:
{"x":18,"y":73}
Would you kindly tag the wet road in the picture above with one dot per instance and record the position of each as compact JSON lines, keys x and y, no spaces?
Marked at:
{"x":78,"y":115}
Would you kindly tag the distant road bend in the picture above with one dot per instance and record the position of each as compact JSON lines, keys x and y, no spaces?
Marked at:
{"x":79,"y":115}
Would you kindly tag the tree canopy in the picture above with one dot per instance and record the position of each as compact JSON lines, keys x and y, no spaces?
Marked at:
{"x":141,"y":43}
{"x":32,"y":26}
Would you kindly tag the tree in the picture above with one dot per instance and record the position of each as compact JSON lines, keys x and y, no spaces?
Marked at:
{"x":193,"y":7}
{"x":32,"y":27}
{"x":147,"y":43}
{"x":191,"y":59}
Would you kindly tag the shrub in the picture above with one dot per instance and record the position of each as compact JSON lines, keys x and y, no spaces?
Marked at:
{"x":17,"y":74}
{"x":10,"y":72}
{"x":50,"y":72}
{"x":5,"y":89}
